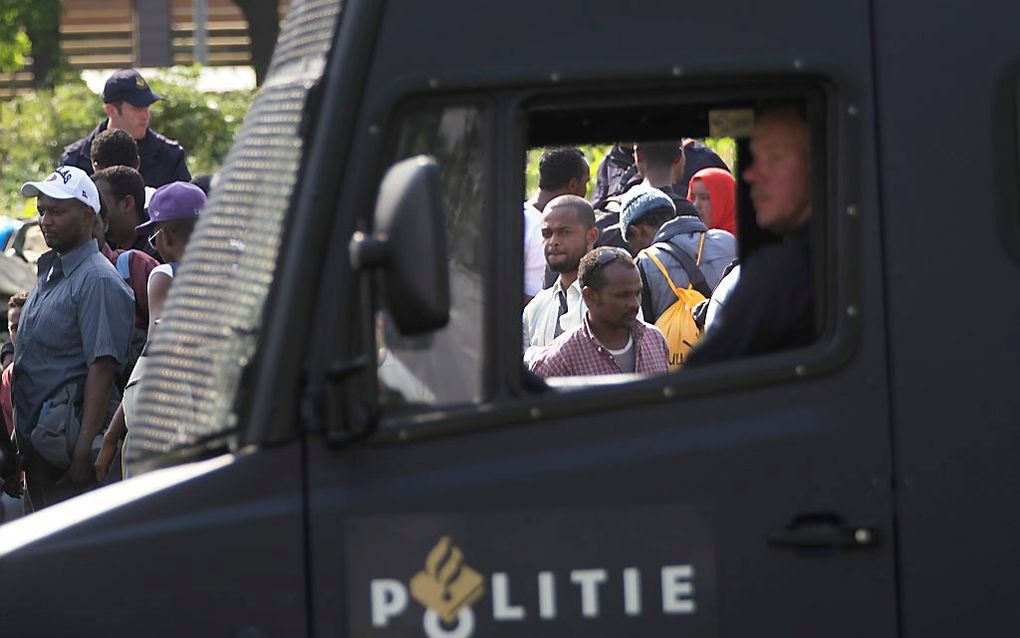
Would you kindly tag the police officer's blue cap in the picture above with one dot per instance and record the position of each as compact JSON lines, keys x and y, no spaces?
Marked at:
{"x":129,"y":86}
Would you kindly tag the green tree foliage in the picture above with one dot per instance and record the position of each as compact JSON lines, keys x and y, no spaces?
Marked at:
{"x":30,"y":27}
{"x":41,"y":19}
{"x":14,"y":42}
{"x":726,"y":149}
{"x":35,"y":128}
{"x":203,"y":123}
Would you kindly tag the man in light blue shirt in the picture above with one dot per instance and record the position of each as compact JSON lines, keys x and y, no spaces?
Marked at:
{"x":74,"y":335}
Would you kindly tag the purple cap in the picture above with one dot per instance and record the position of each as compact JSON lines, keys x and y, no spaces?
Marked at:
{"x":172,"y":202}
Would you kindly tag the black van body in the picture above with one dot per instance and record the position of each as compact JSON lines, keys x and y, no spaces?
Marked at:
{"x":858,"y":487}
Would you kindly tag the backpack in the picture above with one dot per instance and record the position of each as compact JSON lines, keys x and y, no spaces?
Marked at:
{"x":677,"y":322}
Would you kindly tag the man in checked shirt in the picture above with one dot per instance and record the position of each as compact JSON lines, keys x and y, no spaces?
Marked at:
{"x":611,"y":339}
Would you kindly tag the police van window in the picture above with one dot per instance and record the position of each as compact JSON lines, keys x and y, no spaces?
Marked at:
{"x":672,"y":237}
{"x":446,"y":366}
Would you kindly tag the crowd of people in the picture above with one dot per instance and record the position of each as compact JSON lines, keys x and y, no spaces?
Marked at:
{"x":116,"y":215}
{"x":645,"y":278}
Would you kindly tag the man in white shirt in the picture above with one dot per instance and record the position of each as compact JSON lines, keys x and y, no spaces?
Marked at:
{"x":568,"y":234}
{"x":561,"y":171}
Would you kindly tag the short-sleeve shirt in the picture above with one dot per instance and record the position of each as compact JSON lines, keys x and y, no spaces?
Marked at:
{"x":80,"y":310}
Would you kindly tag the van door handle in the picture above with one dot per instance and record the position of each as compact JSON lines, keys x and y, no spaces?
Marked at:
{"x":823,"y":531}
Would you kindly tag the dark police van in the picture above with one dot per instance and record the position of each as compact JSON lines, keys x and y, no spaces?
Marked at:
{"x":338,"y":437}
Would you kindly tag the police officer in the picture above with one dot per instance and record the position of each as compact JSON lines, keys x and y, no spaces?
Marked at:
{"x":127,"y":98}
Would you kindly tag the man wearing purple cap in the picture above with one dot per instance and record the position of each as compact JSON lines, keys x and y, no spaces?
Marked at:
{"x":73,"y":336}
{"x":173,"y":212}
{"x":127,"y":98}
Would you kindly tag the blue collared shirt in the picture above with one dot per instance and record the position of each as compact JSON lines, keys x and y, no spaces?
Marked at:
{"x":79,"y":310}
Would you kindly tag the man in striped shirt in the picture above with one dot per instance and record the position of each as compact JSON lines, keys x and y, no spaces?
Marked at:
{"x":611,"y":339}
{"x":72,"y":339}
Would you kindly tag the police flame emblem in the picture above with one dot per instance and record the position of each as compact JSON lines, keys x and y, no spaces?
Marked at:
{"x":447,"y":585}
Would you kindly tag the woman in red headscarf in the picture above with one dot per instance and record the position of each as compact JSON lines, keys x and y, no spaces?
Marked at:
{"x":713,"y":193}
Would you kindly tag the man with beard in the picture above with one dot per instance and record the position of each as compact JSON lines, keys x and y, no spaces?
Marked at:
{"x":568,"y":233}
{"x":561,"y":171}
{"x":72,"y":339}
{"x":611,"y":339}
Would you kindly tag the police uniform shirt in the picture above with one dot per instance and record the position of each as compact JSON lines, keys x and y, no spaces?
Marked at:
{"x":162,"y":159}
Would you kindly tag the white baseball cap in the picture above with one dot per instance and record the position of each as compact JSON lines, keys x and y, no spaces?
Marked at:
{"x":65,"y":182}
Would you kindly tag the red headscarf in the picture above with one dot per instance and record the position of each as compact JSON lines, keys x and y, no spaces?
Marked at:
{"x":721,"y":193}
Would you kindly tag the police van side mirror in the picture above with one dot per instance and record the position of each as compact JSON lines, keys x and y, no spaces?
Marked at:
{"x":408,"y":247}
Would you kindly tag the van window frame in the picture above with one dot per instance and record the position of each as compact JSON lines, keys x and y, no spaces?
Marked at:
{"x":834,"y":238}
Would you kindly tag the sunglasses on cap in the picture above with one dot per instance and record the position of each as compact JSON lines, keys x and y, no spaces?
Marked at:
{"x":609,"y":256}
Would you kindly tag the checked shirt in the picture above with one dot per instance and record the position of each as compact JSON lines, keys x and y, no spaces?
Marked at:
{"x":579,"y":353}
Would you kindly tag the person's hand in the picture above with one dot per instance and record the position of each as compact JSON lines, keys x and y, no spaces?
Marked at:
{"x":106,"y":454}
{"x":81,"y":470}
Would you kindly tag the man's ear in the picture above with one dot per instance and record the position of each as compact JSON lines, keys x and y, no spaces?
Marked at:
{"x":89,"y":216}
{"x":130,"y":201}
{"x":109,"y":109}
{"x":592,"y":236}
{"x":588,"y":295}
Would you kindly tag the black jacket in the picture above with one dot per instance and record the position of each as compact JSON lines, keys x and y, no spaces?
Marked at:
{"x":772,"y":307}
{"x":162,"y":159}
{"x":696,"y":157}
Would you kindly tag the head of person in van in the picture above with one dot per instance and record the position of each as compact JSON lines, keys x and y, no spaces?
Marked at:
{"x":561,"y":171}
{"x":780,"y":172}
{"x":713,"y":193}
{"x":568,"y":234}
{"x":644,"y":211}
{"x":173,"y":212}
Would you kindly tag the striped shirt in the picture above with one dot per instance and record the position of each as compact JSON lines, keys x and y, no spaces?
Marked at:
{"x":579,"y":353}
{"x":80,"y":310}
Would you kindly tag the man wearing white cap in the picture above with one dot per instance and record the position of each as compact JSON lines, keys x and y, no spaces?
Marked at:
{"x":74,"y":335}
